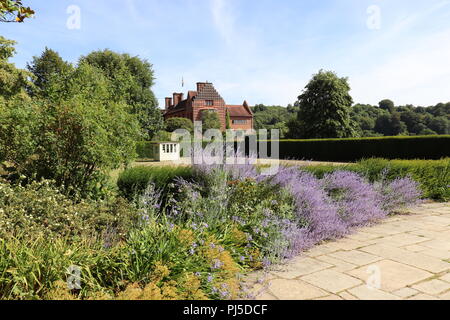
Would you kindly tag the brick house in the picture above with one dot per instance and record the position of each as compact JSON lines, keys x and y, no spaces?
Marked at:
{"x":206,"y":98}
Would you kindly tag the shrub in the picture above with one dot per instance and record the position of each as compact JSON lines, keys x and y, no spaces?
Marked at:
{"x":144,"y":150}
{"x":173,"y":124}
{"x":134,"y":181}
{"x":433,"y":176}
{"x":75,"y":138}
{"x":38,"y":209}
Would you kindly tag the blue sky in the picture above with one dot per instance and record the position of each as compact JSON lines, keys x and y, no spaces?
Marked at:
{"x":264,"y":51}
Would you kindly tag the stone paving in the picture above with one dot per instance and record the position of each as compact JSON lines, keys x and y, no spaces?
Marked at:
{"x":406,"y":257}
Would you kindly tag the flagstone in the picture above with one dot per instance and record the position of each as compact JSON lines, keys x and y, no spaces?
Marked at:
{"x":392,"y":275}
{"x":365,"y":293}
{"x":331,"y":281}
{"x":299,"y":267}
{"x":433,"y":287}
{"x":295,"y":290}
{"x":356,"y":257}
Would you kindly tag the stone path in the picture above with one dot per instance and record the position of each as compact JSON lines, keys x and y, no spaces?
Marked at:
{"x":407,"y":256}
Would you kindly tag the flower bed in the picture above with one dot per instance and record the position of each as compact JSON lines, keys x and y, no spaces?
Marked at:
{"x":189,"y":240}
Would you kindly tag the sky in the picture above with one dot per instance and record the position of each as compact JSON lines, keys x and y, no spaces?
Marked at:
{"x":262,"y":51}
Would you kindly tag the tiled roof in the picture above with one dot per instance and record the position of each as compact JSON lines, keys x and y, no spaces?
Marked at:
{"x":208,"y":92}
{"x":238,"y":111}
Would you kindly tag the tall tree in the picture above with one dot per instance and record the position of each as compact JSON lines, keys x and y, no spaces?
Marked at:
{"x":14,"y":11}
{"x":48,"y":67}
{"x":132,"y":79}
{"x":325,"y":107}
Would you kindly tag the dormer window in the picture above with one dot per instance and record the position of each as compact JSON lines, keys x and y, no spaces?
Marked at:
{"x":209,"y":103}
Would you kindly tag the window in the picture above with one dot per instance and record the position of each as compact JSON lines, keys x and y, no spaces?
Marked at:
{"x":239,"y":121}
{"x":209,"y":103}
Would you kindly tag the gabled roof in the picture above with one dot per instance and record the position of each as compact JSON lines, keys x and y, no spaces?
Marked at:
{"x":208,"y":92}
{"x":239,"y":111}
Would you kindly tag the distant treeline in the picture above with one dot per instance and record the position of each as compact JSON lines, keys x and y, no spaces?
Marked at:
{"x":386,"y":119}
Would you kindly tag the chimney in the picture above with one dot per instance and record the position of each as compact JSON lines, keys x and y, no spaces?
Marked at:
{"x":177,"y":98}
{"x":200,"y":86}
{"x":168,"y":103}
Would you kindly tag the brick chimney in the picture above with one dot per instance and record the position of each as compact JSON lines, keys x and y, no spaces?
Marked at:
{"x":177,"y":98}
{"x":168,"y":103}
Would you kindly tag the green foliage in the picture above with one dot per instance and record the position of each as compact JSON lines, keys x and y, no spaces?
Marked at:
{"x":402,"y":120}
{"x":432,"y":175}
{"x":14,"y":11}
{"x":274,"y":117}
{"x":348,"y":150}
{"x":47,"y":68}
{"x":131,"y":79}
{"x":210,"y":120}
{"x":135,"y":180}
{"x":12,"y":80}
{"x":387,"y":105}
{"x":75,"y":139}
{"x":173,"y":124}
{"x":144,"y":150}
{"x":325,"y":108}
{"x":41,"y":210}
{"x":228,"y":121}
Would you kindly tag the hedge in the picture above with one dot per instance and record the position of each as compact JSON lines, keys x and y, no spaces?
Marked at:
{"x":144,"y":150}
{"x":350,"y":150}
{"x":432,"y":175}
{"x":134,"y":181}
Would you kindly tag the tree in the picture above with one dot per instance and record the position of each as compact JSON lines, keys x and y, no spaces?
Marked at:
{"x":132,"y":79}
{"x":210,"y":120}
{"x":390,"y":125}
{"x":387,"y":105}
{"x":13,"y":81}
{"x":325,"y":107}
{"x":173,"y":124}
{"x":228,"y":121}
{"x":48,"y":67}
{"x":14,"y":11}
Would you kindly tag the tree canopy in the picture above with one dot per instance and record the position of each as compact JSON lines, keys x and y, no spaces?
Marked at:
{"x":325,"y":107}
{"x":131,"y":79}
{"x":47,"y":68}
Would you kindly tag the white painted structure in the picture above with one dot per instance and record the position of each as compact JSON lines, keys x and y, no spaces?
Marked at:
{"x":166,"y":151}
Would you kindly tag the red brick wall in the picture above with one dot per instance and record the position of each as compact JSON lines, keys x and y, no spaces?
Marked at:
{"x":219,"y":105}
{"x":245,"y":126}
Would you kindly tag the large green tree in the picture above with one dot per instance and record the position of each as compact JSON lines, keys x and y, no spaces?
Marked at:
{"x":132,"y":79}
{"x":325,"y":107}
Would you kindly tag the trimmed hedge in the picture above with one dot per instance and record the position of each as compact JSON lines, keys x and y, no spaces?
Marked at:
{"x":144,"y":150}
{"x":432,"y":175}
{"x":350,"y":150}
{"x":134,"y":181}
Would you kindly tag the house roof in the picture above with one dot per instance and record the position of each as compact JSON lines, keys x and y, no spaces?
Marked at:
{"x":238,"y":111}
{"x":208,"y":92}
